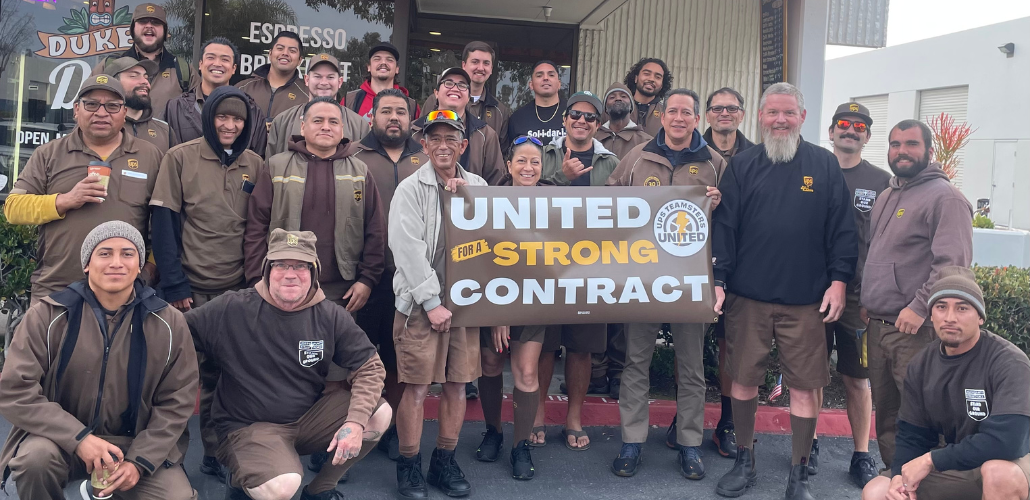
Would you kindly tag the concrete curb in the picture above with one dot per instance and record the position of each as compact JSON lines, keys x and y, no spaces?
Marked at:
{"x":605,"y":412}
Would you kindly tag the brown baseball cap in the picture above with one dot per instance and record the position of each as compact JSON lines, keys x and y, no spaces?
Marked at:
{"x":101,"y":82}
{"x":321,"y":58}
{"x":853,"y":109}
{"x":116,"y":66}
{"x":151,"y":10}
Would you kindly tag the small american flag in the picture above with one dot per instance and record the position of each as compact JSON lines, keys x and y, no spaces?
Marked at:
{"x":777,"y":391}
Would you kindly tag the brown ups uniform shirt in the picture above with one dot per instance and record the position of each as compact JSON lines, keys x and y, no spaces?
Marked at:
{"x":274,"y":101}
{"x":211,"y":199}
{"x":55,"y":168}
{"x":152,"y":130}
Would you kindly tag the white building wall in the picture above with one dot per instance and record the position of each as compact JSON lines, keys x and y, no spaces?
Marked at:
{"x":998,"y":104}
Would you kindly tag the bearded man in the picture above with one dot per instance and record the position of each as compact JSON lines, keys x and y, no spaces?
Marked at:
{"x":785,"y":248}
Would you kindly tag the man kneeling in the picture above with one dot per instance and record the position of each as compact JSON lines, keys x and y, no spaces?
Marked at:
{"x":273,"y":344}
{"x":100,"y":376}
{"x":969,"y":386}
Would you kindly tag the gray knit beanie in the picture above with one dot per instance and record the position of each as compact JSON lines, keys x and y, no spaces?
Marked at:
{"x":956,"y":282}
{"x":108,"y":230}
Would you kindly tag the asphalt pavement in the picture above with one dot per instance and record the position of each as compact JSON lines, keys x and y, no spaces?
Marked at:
{"x":570,"y":475}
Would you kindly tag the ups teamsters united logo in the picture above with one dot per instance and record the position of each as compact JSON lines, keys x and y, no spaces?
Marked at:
{"x":652,"y":181}
{"x":310,"y":352}
{"x":681,"y":228}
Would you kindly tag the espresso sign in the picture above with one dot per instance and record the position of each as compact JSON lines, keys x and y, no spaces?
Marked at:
{"x":562,"y":255}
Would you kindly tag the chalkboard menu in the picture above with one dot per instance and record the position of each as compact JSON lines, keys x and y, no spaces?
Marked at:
{"x":774,"y":42}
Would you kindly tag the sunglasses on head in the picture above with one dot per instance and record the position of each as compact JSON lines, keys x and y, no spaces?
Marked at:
{"x":576,"y":115}
{"x":843,"y":124}
{"x":442,"y":114}
{"x":522,"y":139}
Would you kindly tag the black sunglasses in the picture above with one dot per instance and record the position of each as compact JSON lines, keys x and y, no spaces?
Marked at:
{"x":576,"y":115}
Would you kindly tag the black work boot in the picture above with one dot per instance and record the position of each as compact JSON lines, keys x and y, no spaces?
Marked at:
{"x":813,"y":459}
{"x":211,"y":467}
{"x":233,"y":493}
{"x":725,"y":440}
{"x":325,"y":495}
{"x":445,"y":474}
{"x":410,"y":483}
{"x":797,"y":485}
{"x":490,"y":449}
{"x":863,"y":469}
{"x":741,"y":477}
{"x":390,"y":443}
{"x":522,"y":461}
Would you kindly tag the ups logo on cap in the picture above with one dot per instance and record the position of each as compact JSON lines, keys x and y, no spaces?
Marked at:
{"x":291,"y":95}
{"x":152,"y":132}
{"x":101,"y":79}
{"x":150,"y":9}
{"x":324,"y":57}
{"x":853,"y":107}
{"x":133,"y":163}
{"x":292,"y":240}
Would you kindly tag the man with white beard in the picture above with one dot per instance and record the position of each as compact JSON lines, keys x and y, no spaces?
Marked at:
{"x":785,"y":248}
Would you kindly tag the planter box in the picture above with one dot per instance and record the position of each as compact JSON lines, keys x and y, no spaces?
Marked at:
{"x":1001,"y":247}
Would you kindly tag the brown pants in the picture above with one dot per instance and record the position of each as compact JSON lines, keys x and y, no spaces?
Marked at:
{"x":262,"y":451}
{"x":688,"y":340}
{"x":209,"y":373}
{"x":889,"y":352}
{"x":41,"y":469}
{"x":613,"y":359}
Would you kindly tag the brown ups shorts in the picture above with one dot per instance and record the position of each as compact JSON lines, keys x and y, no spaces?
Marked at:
{"x":961,"y":485}
{"x":800,"y":336}
{"x":425,"y":356}
{"x":261,"y":451}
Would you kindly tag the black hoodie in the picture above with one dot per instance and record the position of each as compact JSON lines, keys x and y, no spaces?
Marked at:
{"x":166,"y":224}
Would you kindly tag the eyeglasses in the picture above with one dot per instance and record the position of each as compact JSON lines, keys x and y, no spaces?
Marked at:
{"x":94,"y":106}
{"x":282,"y":266}
{"x":719,"y":109}
{"x":522,"y":139}
{"x":442,"y":114}
{"x":450,"y":84}
{"x":844,"y":124}
{"x":576,"y":115}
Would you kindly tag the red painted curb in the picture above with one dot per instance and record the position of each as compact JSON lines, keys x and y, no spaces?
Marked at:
{"x":605,"y":412}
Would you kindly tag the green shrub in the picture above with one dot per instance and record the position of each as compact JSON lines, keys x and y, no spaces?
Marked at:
{"x":17,"y":261}
{"x":1007,"y":300}
{"x":983,"y":222}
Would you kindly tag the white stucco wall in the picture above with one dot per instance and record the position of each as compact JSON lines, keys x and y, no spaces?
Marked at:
{"x":998,"y":105}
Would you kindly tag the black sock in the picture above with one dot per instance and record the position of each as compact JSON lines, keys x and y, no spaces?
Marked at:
{"x":859,"y":454}
{"x":726,"y":417}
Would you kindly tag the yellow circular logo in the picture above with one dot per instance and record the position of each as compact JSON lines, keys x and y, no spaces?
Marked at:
{"x":150,"y":9}
{"x":652,"y":181}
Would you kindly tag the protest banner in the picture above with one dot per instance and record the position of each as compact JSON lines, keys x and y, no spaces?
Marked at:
{"x":562,"y":255}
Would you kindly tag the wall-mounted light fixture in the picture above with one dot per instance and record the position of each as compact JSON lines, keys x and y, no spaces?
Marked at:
{"x":547,"y":13}
{"x":1008,"y":49}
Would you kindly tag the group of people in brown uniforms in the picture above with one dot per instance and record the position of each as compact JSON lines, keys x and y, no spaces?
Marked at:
{"x":281,"y":253}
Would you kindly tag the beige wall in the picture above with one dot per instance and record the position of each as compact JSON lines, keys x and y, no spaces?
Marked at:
{"x":708,"y":44}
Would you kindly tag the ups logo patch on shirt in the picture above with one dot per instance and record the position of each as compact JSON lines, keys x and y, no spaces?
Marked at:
{"x":166,"y":74}
{"x":152,"y":132}
{"x":901,"y":211}
{"x":414,"y":160}
{"x":652,"y":181}
{"x":291,"y":95}
{"x":807,"y":187}
{"x":357,"y":195}
{"x":693,"y":170}
{"x":133,"y":163}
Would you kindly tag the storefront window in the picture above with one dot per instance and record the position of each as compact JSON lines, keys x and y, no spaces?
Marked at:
{"x":47,"y":47}
{"x":438,"y":41}
{"x":343,"y":28}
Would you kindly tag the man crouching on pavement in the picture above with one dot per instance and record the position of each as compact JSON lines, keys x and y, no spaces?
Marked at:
{"x":273,"y":344}
{"x":100,"y":376}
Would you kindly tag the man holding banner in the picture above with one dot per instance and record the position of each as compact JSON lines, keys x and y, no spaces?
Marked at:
{"x":785,"y":249}
{"x":677,"y":156}
{"x":428,"y":349}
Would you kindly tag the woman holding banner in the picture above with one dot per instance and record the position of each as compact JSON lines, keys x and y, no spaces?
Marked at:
{"x":524,"y":342}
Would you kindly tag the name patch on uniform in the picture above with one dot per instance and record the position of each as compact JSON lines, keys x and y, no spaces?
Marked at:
{"x":864,"y":199}
{"x":311,"y":352}
{"x":976,"y":404}
{"x":134,"y":175}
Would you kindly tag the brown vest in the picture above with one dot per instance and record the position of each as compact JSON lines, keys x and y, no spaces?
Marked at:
{"x":289,"y":173}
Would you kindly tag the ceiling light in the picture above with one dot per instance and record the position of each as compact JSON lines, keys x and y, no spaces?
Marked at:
{"x":207,"y":13}
{"x":547,"y":13}
{"x":565,"y":66}
{"x":435,"y":50}
{"x":435,"y":33}
{"x":246,"y":38}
